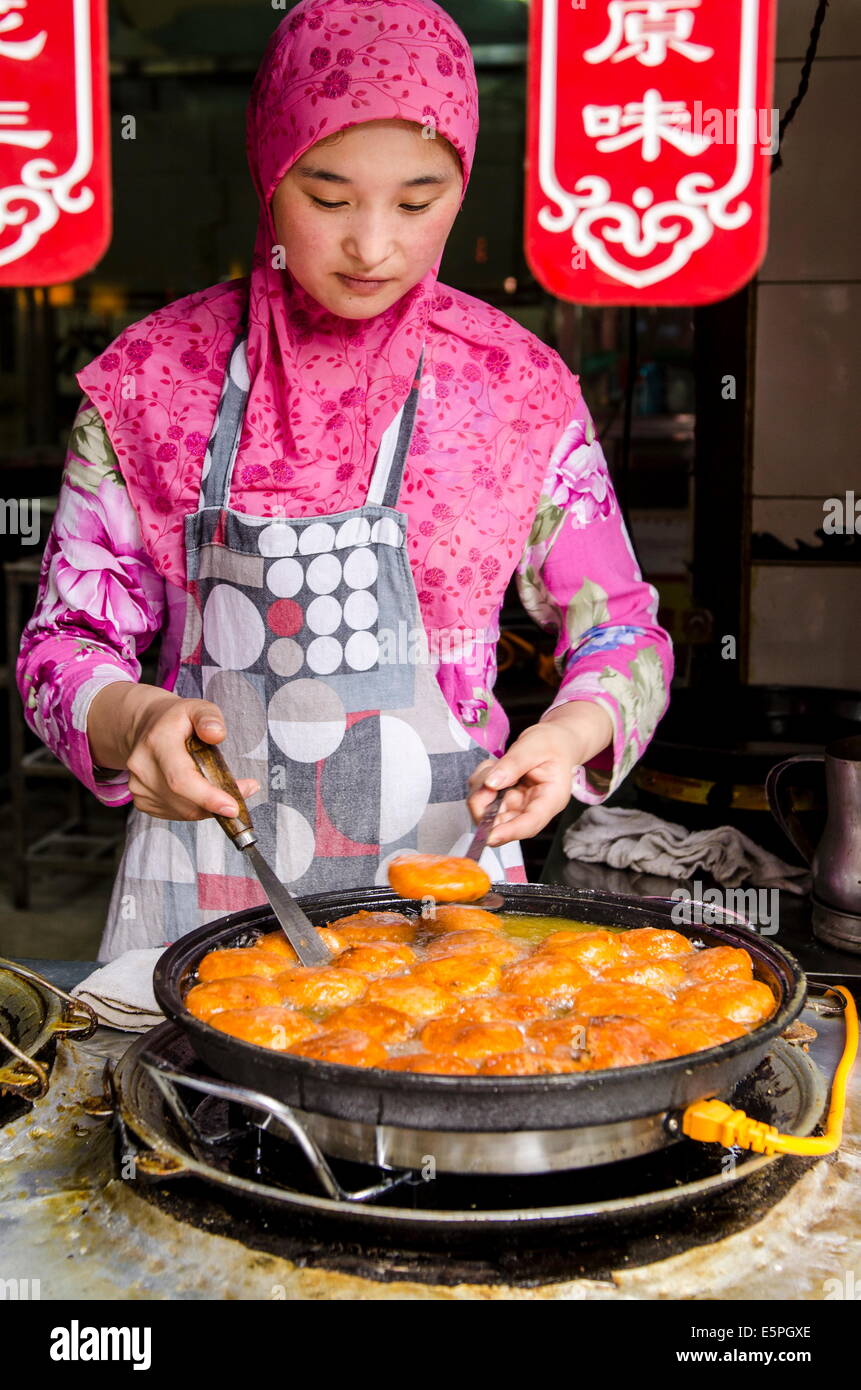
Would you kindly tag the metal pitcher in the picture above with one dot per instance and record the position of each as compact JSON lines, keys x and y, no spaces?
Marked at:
{"x":836,"y":860}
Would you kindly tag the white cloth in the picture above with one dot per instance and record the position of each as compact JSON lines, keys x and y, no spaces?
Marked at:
{"x":121,"y":993}
{"x":630,"y":839}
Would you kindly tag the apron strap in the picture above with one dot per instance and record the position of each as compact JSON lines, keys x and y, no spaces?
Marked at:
{"x":386,"y":480}
{"x":224,"y":440}
{"x":388,"y":475}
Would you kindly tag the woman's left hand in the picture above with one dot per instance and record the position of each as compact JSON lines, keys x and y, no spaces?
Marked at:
{"x":542,"y":761}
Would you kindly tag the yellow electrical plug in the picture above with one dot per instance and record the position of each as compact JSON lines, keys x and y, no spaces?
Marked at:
{"x":714,"y":1122}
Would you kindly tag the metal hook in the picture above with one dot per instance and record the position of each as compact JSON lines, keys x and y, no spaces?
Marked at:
{"x":166,"y":1078}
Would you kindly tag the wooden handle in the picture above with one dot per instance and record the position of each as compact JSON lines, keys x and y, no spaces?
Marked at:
{"x":209,"y":760}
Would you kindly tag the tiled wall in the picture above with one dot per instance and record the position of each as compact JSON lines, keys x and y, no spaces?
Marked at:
{"x":807,"y":424}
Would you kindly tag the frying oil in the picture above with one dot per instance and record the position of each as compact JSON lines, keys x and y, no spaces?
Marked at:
{"x":531,"y":929}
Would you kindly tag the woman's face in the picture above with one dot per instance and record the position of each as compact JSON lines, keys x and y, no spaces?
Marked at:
{"x":364,"y":217}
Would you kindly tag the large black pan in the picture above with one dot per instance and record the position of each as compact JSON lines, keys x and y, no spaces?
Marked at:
{"x":474,"y":1103}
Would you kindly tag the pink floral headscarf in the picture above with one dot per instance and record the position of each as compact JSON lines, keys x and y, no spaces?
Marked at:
{"x":323,"y":388}
{"x":494,"y":402}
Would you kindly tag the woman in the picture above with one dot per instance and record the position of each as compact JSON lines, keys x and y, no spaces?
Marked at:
{"x":315,"y":484}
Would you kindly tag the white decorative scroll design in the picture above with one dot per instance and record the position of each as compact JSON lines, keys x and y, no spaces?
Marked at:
{"x":697,"y":204}
{"x":41,"y":185}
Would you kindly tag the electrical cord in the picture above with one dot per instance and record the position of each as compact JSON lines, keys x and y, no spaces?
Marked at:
{"x":714,"y":1122}
{"x":803,"y":84}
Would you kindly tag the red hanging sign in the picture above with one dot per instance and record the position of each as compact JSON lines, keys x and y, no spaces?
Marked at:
{"x":55,"y":210}
{"x":651,"y":133}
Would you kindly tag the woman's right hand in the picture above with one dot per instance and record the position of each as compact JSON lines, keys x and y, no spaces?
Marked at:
{"x":144,"y":729}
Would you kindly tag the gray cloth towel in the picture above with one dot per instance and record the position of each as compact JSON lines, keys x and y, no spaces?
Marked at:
{"x":631,"y":839}
{"x":121,"y":992}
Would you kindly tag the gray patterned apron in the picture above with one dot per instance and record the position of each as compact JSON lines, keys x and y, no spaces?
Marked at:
{"x":294,"y":628}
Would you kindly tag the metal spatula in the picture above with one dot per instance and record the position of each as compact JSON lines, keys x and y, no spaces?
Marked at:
{"x":299,"y":929}
{"x":491,"y":902}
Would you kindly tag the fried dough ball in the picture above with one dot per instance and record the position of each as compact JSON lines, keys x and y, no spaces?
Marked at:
{"x":365,"y":928}
{"x":451,"y":919}
{"x":384,"y":1025}
{"x":593,"y":949}
{"x":440,"y":1063}
{"x":309,"y":987}
{"x":446,"y":878}
{"x":381,"y":958}
{"x":205,"y":1000}
{"x":239,"y":961}
{"x":277,"y":943}
{"x":554,"y":1035}
{"x":347,"y":1046}
{"x":333,"y":940}
{"x":694,"y":1032}
{"x":463,"y":973}
{"x":275,"y":1028}
{"x":719,"y":963}
{"x":604,"y":1000}
{"x":470,"y":1040}
{"x":747,"y":1002}
{"x":481,"y":943}
{"x":546,"y":976}
{"x":664,"y":975}
{"x":528,"y":1064}
{"x":625,"y":1042}
{"x":418,"y":999}
{"x":502,"y":1008}
{"x":657,"y":941}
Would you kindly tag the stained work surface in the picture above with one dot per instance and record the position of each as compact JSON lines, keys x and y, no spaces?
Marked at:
{"x":67,"y":1220}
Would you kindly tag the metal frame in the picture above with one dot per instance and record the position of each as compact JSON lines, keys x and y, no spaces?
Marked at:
{"x":725,"y":345}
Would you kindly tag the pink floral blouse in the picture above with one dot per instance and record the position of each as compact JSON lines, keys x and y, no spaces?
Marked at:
{"x":102,"y":602}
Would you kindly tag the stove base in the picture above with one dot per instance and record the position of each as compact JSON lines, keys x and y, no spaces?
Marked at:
{"x":67,"y":1220}
{"x":209,"y":1137}
{"x":474,"y":1154}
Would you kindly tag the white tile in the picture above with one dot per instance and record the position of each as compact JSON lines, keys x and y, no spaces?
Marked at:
{"x":807,"y":423}
{"x":804,"y":626}
{"x":816,"y":194}
{"x":841,"y":32}
{"x":789,"y":519}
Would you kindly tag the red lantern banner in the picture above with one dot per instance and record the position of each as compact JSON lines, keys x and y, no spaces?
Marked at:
{"x":55,"y":208}
{"x":651,"y":133}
